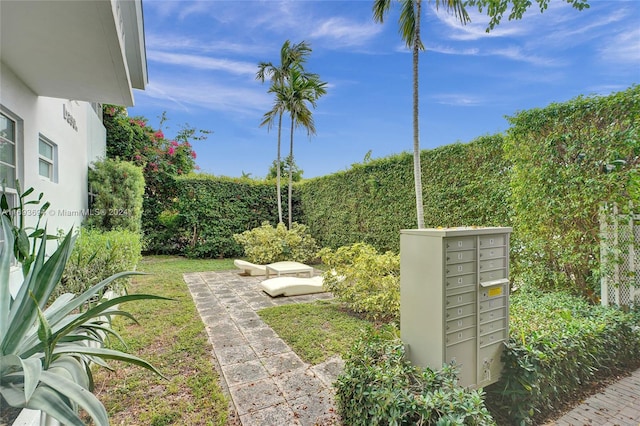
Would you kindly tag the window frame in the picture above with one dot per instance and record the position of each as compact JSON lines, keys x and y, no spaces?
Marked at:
{"x":52,"y":161}
{"x":14,"y":142}
{"x":18,"y":143}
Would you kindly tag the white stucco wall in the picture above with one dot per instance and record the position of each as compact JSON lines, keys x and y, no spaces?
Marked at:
{"x":77,"y":146}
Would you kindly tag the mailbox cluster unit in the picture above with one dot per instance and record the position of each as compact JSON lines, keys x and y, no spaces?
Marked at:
{"x":454,"y":299}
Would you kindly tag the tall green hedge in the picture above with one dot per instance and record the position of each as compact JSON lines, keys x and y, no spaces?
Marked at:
{"x":546,"y":177}
{"x":212,"y":209}
{"x":568,"y":159}
{"x":463,"y":184}
{"x":368,"y":203}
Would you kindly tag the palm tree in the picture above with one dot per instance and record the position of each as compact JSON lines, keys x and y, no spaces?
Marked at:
{"x":409,"y":23}
{"x":291,"y":55}
{"x":301,"y":89}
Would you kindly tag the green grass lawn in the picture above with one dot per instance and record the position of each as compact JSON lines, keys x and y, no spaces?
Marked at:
{"x":172,"y":337}
{"x":315,"y":331}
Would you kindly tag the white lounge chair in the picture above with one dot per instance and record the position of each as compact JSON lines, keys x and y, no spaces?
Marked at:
{"x":277,"y":268}
{"x":249,"y":268}
{"x":292,"y":286}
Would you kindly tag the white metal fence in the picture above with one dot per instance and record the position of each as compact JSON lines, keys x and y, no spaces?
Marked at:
{"x":619,"y":257}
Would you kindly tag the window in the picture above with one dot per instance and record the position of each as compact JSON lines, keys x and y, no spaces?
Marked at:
{"x":8,"y":137}
{"x":10,"y":162}
{"x":47,"y":162}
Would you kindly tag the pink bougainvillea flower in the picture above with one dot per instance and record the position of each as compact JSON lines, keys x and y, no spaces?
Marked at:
{"x":193,"y":155}
{"x":171,"y":150}
{"x":158,"y":135}
{"x":174,"y":143}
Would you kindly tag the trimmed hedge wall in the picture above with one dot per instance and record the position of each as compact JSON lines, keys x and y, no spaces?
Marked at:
{"x":212,"y":209}
{"x":568,"y":159}
{"x":463,"y":184}
{"x":546,"y":177}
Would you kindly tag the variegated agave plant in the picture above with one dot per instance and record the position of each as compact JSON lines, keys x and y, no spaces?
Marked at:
{"x":44,"y":347}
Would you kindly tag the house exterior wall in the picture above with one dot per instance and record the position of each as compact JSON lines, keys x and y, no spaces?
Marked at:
{"x":79,"y":138}
{"x":57,"y":60}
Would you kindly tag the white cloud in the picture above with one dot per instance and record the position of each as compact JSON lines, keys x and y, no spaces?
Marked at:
{"x":566,"y":34}
{"x":202,"y":62}
{"x":476,"y":29}
{"x":202,"y":94}
{"x":446,"y":50}
{"x":516,"y":53}
{"x":622,"y":48}
{"x":513,"y":53}
{"x":344,"y":32}
{"x":173,"y":42}
{"x":457,"y":99}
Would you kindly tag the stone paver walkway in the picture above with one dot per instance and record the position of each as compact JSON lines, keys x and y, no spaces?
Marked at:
{"x":268,"y":383}
{"x":617,"y":405}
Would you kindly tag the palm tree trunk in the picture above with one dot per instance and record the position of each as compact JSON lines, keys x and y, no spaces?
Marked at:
{"x":278,"y":187}
{"x":291,"y":174}
{"x":417,"y":169}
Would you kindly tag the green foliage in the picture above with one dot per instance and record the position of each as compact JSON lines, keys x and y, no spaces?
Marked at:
{"x":368,"y":282}
{"x":267,"y":244}
{"x":496,"y":9}
{"x":212,"y":209}
{"x":463,"y":184}
{"x":119,"y":186}
{"x":380,"y":387}
{"x":47,"y":345}
{"x":568,"y":159}
{"x":285,"y":165}
{"x":24,"y":250}
{"x":162,"y":160}
{"x":98,"y":255}
{"x":558,"y":345}
{"x":132,"y":139}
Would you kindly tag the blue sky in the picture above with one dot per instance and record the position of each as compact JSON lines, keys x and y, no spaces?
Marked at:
{"x":202,"y":58}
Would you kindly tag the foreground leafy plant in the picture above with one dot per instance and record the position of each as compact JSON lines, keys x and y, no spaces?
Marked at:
{"x":46,"y":346}
{"x":379,"y":386}
{"x":367,"y":281}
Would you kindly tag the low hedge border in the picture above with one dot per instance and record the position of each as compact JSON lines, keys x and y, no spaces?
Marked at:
{"x":560,"y":343}
{"x":380,"y":387}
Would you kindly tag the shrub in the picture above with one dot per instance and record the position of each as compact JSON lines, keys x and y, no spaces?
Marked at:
{"x":98,"y":255}
{"x":368,"y":282}
{"x":118,"y":204}
{"x":559,"y":343}
{"x":380,"y":387}
{"x":267,"y":244}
